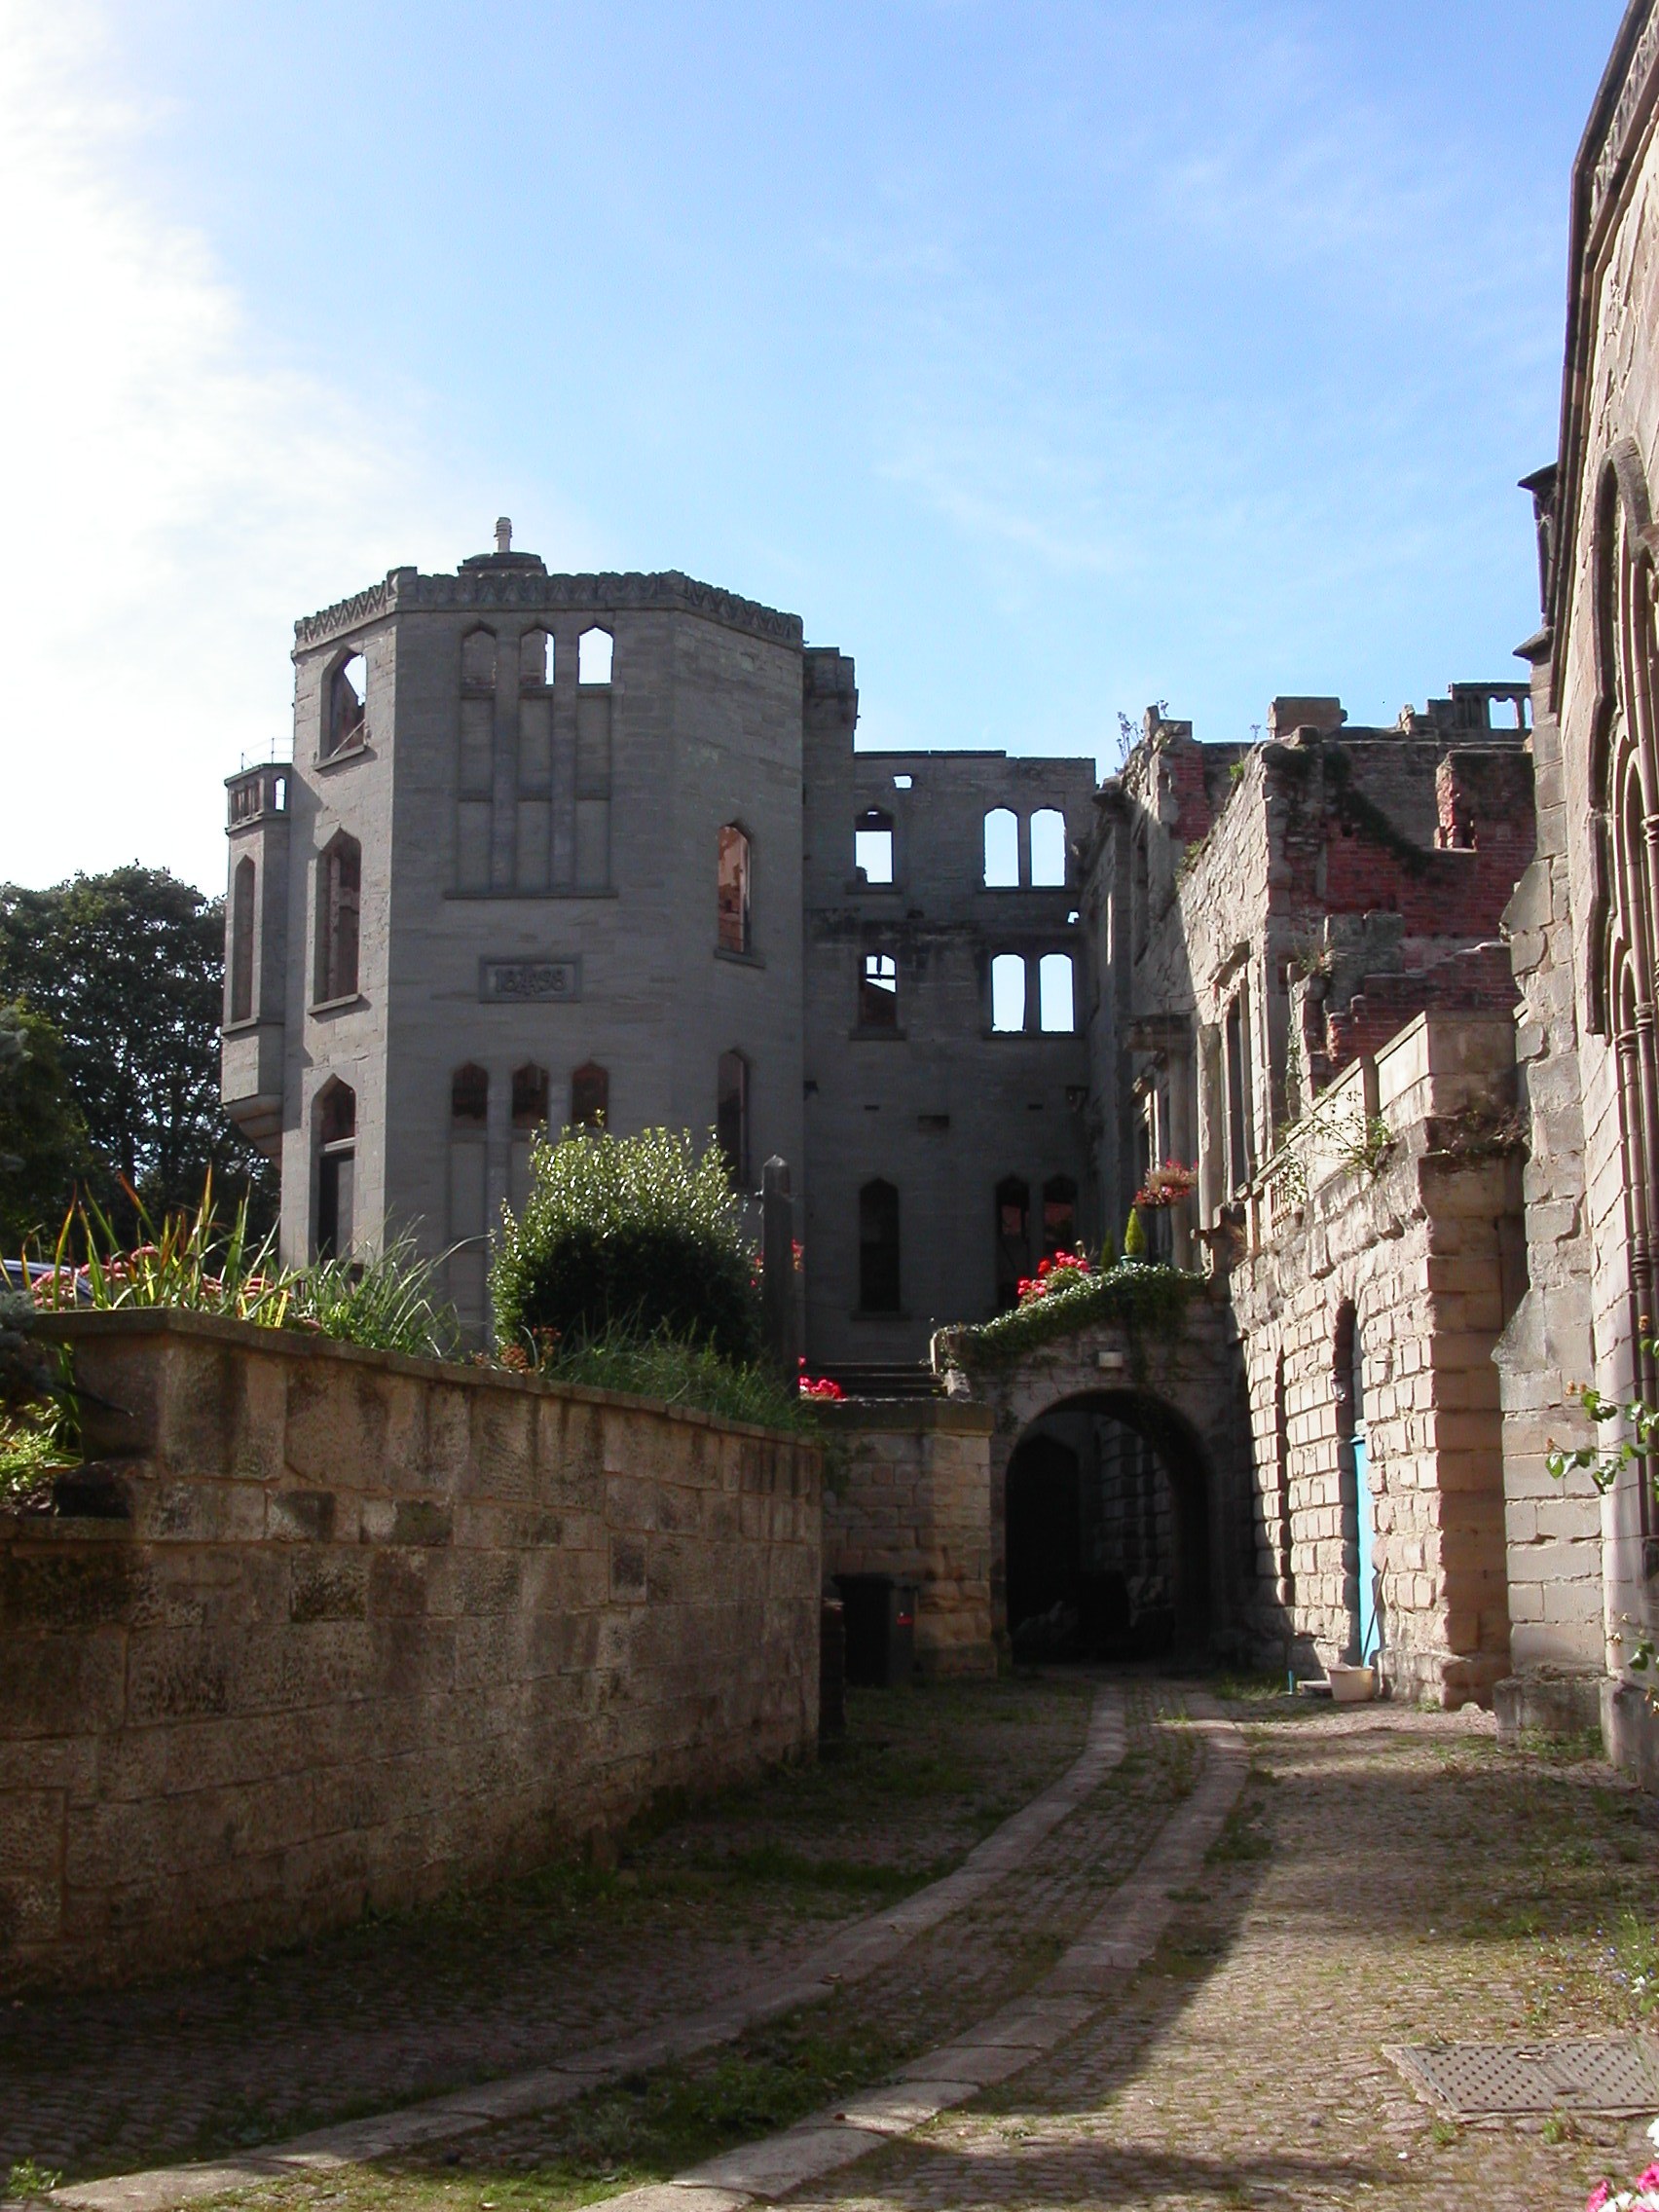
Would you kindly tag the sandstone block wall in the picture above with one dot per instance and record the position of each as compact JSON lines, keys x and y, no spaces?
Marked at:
{"x":1420,"y":1250}
{"x":323,"y":1629}
{"x":910,"y":1494}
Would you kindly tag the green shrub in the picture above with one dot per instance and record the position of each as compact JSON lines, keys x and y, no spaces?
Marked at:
{"x":1145,"y":1297}
{"x":684,"y":1375}
{"x":628,"y":1237}
{"x":386,"y":1302}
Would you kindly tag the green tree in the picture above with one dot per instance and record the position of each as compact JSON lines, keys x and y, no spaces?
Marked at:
{"x":44,"y":1154}
{"x":128,"y":969}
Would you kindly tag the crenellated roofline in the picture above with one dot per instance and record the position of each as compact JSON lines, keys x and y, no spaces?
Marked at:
{"x":533,"y":591}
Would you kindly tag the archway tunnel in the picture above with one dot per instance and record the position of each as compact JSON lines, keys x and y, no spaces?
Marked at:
{"x":1107,"y":1527}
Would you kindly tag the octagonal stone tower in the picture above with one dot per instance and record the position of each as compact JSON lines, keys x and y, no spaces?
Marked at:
{"x":538,"y":858}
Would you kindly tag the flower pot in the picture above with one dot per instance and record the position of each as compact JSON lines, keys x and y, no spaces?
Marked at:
{"x":1351,"y":1686}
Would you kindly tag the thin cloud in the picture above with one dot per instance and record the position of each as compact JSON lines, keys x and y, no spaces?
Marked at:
{"x":176,"y":496}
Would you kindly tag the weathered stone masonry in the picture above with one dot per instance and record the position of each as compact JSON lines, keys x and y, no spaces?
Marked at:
{"x":323,"y":1627}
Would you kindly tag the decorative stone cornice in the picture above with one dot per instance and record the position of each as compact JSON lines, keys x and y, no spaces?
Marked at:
{"x":1628,"y":107}
{"x":522,"y":591}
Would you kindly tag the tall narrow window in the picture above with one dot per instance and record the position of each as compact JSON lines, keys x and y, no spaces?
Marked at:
{"x":594,"y":653}
{"x":1059,"y":1216}
{"x":242,"y":940}
{"x":590,"y":1096}
{"x":1048,"y":848}
{"x":1140,"y":895}
{"x":536,"y":660}
{"x":878,"y":992}
{"x":1007,"y":993}
{"x":1013,"y":1240}
{"x":336,"y":1118}
{"x":1002,"y":849}
{"x":1055,"y":1001}
{"x":339,"y":893}
{"x":732,"y":909}
{"x":529,"y":1098}
{"x":346,"y":705}
{"x":731,"y":1116}
{"x":469,"y":1096}
{"x":878,"y":1248}
{"x":1237,"y":1051}
{"x":468,"y":1198}
{"x":872,"y":846}
{"x":530,"y":1122}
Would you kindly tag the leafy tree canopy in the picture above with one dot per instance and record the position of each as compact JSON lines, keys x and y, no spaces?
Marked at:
{"x":128,"y":967}
{"x":43,"y":1153}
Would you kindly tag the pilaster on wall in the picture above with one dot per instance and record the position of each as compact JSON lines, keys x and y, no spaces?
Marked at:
{"x":1553,"y":1532}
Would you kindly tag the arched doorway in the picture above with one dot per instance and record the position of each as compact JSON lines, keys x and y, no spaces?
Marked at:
{"x":1108,"y":1506}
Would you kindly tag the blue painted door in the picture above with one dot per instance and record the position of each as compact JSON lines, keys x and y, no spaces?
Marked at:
{"x":1370,"y":1606}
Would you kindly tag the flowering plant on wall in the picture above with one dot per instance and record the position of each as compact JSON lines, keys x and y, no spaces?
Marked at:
{"x":1064,"y":1271}
{"x":823,"y":1387}
{"x":1164,"y":1185}
{"x":1641,"y":2196}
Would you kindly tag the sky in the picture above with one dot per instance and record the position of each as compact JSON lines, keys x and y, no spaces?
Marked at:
{"x":1049,"y":358}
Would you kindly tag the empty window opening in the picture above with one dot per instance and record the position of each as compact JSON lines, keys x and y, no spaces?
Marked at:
{"x":1140,"y":897}
{"x":1002,"y":849}
{"x":733,"y":921}
{"x":1048,"y":848}
{"x":347,"y":701}
{"x":878,"y":992}
{"x":872,"y":846}
{"x":590,"y":1096}
{"x":339,"y":896}
{"x":731,"y":1116}
{"x":336,"y":1136}
{"x":478,"y":660}
{"x":1055,"y":998}
{"x":1059,"y":1216}
{"x":536,"y":660}
{"x":1509,"y":713}
{"x":529,"y":1098}
{"x":469,"y":1096}
{"x":878,"y":1248}
{"x":1237,"y":1051}
{"x":242,"y":941}
{"x":1007,"y":992}
{"x":1012,"y":1239}
{"x":902,"y":783}
{"x":594,"y":653}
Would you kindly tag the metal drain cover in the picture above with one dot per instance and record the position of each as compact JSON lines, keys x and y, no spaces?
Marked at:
{"x":1479,"y":2080}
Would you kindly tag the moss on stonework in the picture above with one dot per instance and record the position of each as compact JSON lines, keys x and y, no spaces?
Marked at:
{"x":1137,"y":1295}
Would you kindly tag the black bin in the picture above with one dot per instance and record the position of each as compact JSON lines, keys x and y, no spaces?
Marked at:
{"x":880,"y":1615}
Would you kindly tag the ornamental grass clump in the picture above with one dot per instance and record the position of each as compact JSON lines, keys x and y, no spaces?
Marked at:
{"x":637,"y":1238}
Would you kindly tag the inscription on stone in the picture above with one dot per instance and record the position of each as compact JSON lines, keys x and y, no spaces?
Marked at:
{"x":521,"y":981}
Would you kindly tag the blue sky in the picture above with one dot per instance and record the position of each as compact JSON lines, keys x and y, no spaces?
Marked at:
{"x":1049,"y":358}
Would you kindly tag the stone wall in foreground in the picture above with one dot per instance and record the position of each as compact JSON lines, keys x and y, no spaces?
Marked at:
{"x":320,"y":1629}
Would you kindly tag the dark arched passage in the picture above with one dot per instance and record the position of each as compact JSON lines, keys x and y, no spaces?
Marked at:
{"x":1108,"y":1506}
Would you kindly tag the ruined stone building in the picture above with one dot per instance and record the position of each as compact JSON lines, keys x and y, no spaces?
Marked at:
{"x":1584,"y":925}
{"x":553,"y":847}
{"x":1305,"y":997}
{"x":558,"y":848}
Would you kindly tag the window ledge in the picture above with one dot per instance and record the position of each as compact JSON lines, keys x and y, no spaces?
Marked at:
{"x":358,"y":750}
{"x":858,"y":888}
{"x":877,"y":1313}
{"x":874,"y":1033}
{"x":248,"y":1023}
{"x":740,"y":959}
{"x":1028,"y":1036}
{"x":336,"y":1006}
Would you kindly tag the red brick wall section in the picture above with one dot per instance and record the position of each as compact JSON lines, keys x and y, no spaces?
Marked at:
{"x":1476,"y":979}
{"x":369,"y":1627}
